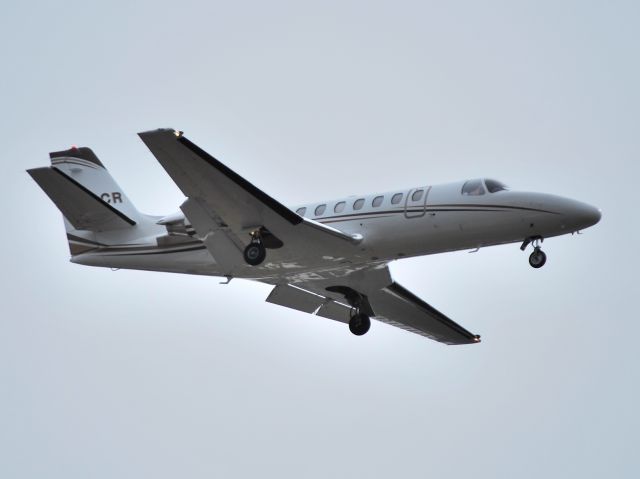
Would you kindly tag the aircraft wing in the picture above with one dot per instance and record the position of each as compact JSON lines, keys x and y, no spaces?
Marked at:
{"x":386,"y":301}
{"x":224,"y":208}
{"x":397,"y":306}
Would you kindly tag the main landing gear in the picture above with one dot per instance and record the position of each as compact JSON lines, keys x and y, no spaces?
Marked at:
{"x":361,"y":312}
{"x":261,"y":240}
{"x":359,"y":324}
{"x":255,"y":253}
{"x":538,"y":258}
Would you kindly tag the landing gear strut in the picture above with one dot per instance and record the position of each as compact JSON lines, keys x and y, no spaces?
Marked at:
{"x":538,"y":258}
{"x":359,"y":324}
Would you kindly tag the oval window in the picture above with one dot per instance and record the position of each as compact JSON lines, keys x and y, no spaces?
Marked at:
{"x":397,"y":198}
{"x":339,"y":208}
{"x":320,"y":209}
{"x":417,"y":195}
{"x":358,"y":204}
{"x":377,"y":201}
{"x":301,"y":211}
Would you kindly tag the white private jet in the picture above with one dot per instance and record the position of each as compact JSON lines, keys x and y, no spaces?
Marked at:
{"x":328,"y":258}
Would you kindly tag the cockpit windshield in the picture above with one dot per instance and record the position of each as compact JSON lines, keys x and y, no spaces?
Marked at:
{"x":473,"y":188}
{"x":477,"y":187}
{"x":494,"y":186}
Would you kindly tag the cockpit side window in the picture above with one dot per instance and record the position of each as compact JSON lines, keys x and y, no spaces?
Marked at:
{"x":473,"y":188}
{"x":494,"y":186}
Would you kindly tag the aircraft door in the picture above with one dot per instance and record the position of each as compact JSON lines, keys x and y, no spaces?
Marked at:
{"x":415,"y":205}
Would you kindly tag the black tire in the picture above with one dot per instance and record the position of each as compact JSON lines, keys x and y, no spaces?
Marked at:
{"x":359,"y":324}
{"x":537,"y":259}
{"x":254,"y":254}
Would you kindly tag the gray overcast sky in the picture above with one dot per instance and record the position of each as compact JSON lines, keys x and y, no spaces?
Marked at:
{"x":131,"y":374}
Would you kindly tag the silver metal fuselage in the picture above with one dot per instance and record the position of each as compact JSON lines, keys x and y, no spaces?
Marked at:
{"x":441,"y":220}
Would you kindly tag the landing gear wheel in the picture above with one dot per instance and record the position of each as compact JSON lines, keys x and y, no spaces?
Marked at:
{"x":359,"y":324}
{"x":255,"y":253}
{"x":537,"y":259}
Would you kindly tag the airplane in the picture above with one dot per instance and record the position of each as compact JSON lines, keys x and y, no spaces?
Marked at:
{"x":330,"y":258}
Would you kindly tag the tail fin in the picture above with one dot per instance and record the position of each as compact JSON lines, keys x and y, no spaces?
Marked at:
{"x":86,"y":194}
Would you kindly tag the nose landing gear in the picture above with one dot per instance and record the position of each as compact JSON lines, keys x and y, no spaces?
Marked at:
{"x":538,"y":258}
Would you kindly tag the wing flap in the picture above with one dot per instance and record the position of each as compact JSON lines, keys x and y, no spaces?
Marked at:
{"x":295,"y":298}
{"x":219,"y":242}
{"x":336,"y":311}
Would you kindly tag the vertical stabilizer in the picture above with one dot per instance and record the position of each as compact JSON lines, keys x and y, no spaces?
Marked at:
{"x":96,"y":211}
{"x":84,"y":167}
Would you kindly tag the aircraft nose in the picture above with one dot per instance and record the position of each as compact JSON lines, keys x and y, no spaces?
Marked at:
{"x":584,"y":215}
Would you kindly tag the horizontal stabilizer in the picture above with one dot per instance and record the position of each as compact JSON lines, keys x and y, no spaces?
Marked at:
{"x":82,"y":208}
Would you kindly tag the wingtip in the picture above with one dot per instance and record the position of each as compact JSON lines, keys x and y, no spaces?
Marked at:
{"x":177,"y":133}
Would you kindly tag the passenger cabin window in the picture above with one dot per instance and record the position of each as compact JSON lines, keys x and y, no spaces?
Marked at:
{"x":320,"y":209}
{"x":377,"y":201}
{"x":397,"y":198}
{"x":494,"y":186}
{"x":417,"y":195}
{"x":301,"y":211}
{"x":358,"y":204}
{"x":339,"y":208}
{"x":473,"y":188}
